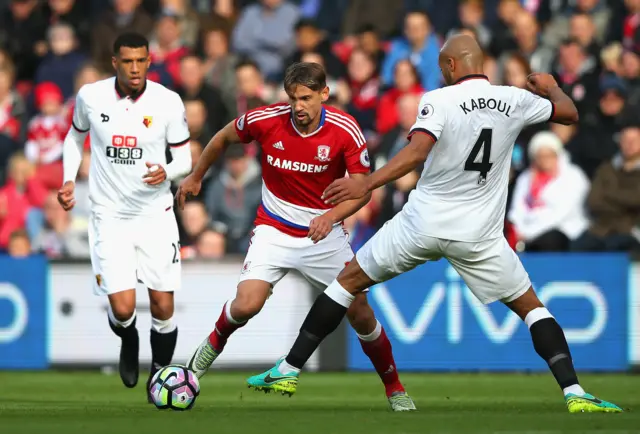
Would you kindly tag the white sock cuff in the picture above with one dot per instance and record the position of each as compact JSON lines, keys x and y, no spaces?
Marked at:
{"x":337,"y":293}
{"x":116,"y":322}
{"x":163,"y":326}
{"x":536,"y":315}
{"x":227,"y":311}
{"x":375,"y":334}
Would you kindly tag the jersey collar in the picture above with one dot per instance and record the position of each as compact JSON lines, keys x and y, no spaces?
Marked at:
{"x":135,"y":96}
{"x":471,"y":77}
{"x":323,"y":116}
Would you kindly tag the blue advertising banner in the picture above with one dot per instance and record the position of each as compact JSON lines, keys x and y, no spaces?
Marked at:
{"x":435,"y":323}
{"x":23,"y":313}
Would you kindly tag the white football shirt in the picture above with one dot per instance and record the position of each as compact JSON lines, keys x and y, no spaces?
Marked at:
{"x":126,"y":132}
{"x":462,"y":192}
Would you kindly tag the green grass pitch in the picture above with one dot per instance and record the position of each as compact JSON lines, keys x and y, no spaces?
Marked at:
{"x":92,"y":403}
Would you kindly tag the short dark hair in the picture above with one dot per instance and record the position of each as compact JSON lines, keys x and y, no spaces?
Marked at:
{"x":130,"y":40}
{"x":19,"y":233}
{"x":246,"y":62}
{"x":306,"y":23}
{"x":305,"y":74}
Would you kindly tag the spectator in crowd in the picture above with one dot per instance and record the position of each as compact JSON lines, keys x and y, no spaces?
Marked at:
{"x":126,"y":16}
{"x":166,"y":50}
{"x":60,"y":237}
{"x":471,"y":13}
{"x":251,"y":89}
{"x":630,"y":71}
{"x":264,"y":33}
{"x":233,"y":199}
{"x":560,"y":26}
{"x":219,"y":67}
{"x":577,"y":75}
{"x":196,"y":113}
{"x":19,"y":244}
{"x":383,"y":15}
{"x":12,"y":107}
{"x":211,"y":245}
{"x":194,"y":220}
{"x":502,"y":38}
{"x":310,"y":39}
{"x":221,"y":16}
{"x":74,"y":13}
{"x":525,"y":30}
{"x":547,"y":208}
{"x":364,"y":85}
{"x":600,"y":129}
{"x":20,"y":199}
{"x":614,"y":200}
{"x":405,"y":81}
{"x":583,"y":30}
{"x":194,"y":87}
{"x":188,"y":20}
{"x":23,"y":29}
{"x":421,"y":46}
{"x":63,"y":61}
{"x":631,"y":25}
{"x":46,"y":134}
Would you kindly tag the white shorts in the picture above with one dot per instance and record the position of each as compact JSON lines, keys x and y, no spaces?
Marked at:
{"x":272,"y":254}
{"x":125,"y":251}
{"x":490,"y":268}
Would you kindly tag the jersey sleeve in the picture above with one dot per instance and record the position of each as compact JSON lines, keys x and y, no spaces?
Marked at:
{"x":177,"y":128}
{"x":248,"y":126}
{"x":80,"y":118}
{"x":431,"y":117}
{"x":356,"y":154}
{"x":534,"y":108}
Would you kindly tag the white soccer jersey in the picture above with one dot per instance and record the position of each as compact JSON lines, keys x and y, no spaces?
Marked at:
{"x":462,"y":192}
{"x":126,"y":132}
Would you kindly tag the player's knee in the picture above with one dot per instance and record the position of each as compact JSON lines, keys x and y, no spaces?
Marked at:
{"x":123,"y":311}
{"x":353,"y":278}
{"x":161,"y":308}
{"x":360,"y":315}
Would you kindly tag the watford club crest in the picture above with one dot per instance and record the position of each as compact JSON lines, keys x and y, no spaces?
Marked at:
{"x":147,"y":121}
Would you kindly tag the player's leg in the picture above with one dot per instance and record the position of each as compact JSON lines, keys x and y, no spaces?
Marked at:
{"x":493,"y":272}
{"x":113,"y":264}
{"x":265,"y":264}
{"x":159,"y":269}
{"x":393,"y":250}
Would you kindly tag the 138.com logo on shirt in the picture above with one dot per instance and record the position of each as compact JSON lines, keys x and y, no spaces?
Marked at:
{"x":124,"y":150}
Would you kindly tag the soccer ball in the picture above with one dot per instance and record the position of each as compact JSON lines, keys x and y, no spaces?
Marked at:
{"x":174,"y":387}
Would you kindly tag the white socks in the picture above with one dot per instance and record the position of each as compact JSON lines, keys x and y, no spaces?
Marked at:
{"x":337,"y":293}
{"x":163,"y":326}
{"x":286,"y":368}
{"x":116,"y":322}
{"x":576,"y":389}
{"x":375,"y":334}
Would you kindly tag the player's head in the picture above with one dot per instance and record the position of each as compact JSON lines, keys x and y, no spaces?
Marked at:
{"x":131,"y":61}
{"x":306,"y":85}
{"x":460,"y":56}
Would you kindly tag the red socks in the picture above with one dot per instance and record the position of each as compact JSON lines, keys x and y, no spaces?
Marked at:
{"x":380,"y":354}
{"x":224,"y":328}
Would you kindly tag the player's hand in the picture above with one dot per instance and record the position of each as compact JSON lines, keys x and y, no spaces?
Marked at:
{"x":155,"y":175}
{"x":345,"y":189}
{"x":541,"y":84}
{"x":65,"y":195}
{"x":190,"y":186}
{"x":319,"y":228}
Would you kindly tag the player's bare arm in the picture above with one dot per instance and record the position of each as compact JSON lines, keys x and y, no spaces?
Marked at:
{"x":320,"y":226}
{"x":191,"y":184}
{"x":544,"y":85}
{"x":405,"y":161}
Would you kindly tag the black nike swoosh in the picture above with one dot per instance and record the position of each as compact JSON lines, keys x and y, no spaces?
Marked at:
{"x":594,"y":400}
{"x":269,"y":379}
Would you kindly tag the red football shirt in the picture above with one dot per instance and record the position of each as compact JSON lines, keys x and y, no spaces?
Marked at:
{"x":296,"y":168}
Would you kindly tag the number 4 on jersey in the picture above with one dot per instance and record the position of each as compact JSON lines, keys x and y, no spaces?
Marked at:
{"x":484,"y":166}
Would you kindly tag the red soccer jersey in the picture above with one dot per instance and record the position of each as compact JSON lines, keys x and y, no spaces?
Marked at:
{"x":296,"y":169}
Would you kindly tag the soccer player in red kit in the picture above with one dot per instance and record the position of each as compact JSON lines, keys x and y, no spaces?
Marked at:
{"x":305,"y":147}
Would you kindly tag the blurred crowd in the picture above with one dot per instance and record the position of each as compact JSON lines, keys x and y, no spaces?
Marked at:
{"x":574,"y":188}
